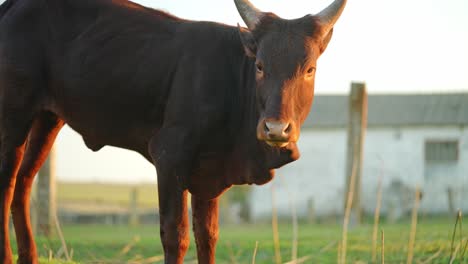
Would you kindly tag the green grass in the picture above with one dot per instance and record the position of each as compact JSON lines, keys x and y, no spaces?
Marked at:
{"x":104,"y":244}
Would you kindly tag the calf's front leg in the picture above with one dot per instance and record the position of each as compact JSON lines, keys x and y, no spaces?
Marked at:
{"x":172,"y":168}
{"x":174,"y":229}
{"x":205,"y":227}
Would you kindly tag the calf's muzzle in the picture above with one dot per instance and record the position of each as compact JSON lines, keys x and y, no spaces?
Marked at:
{"x":276,"y":133}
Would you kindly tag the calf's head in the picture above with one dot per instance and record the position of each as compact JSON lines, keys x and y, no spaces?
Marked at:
{"x":285,"y":52}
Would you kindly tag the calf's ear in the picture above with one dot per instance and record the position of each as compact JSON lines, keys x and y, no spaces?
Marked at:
{"x":325,"y":40}
{"x":248,"y":41}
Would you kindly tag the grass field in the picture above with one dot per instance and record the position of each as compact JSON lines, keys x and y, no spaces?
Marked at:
{"x":319,"y":243}
{"x":117,"y":194}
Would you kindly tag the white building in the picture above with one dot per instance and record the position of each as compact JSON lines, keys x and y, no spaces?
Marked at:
{"x":411,"y":140}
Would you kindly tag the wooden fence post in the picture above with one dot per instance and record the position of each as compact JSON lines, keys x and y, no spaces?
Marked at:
{"x":46,"y":197}
{"x":357,"y":123}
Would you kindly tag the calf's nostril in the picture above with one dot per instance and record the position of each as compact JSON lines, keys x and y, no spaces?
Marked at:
{"x":288,"y":128}
{"x":265,"y":127}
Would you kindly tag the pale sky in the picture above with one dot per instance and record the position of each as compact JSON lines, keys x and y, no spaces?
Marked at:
{"x":395,"y":46}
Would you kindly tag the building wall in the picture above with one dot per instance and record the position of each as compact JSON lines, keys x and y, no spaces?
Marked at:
{"x":317,"y":179}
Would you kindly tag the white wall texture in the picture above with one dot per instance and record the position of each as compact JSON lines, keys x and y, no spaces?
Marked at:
{"x":396,"y":153}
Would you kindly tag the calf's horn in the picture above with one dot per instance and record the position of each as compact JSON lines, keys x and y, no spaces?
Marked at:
{"x":331,"y":13}
{"x":249,"y":13}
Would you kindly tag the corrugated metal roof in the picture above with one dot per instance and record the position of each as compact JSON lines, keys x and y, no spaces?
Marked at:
{"x":393,"y":110}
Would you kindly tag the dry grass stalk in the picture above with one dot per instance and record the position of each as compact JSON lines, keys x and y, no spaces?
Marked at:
{"x":295,"y":225}
{"x":129,"y":246}
{"x":457,"y":221}
{"x":453,"y":256}
{"x":338,"y":256}
{"x":460,"y":220}
{"x":231,"y":253}
{"x":382,"y":249}
{"x":299,"y":260}
{"x":149,"y":260}
{"x":377,"y":216}
{"x":303,"y":259}
{"x":295,"y":232}
{"x":349,"y":203}
{"x":274,"y":224}
{"x":59,"y":253}
{"x":255,"y":252}
{"x":327,"y":247}
{"x":414,"y":222}
{"x":62,"y":238}
{"x":431,"y":258}
{"x":462,"y":256}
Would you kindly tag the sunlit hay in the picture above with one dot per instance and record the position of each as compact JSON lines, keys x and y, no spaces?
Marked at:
{"x":414,"y":223}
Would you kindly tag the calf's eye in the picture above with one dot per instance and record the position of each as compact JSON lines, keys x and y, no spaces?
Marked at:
{"x":310,"y":70}
{"x":259,"y":67}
